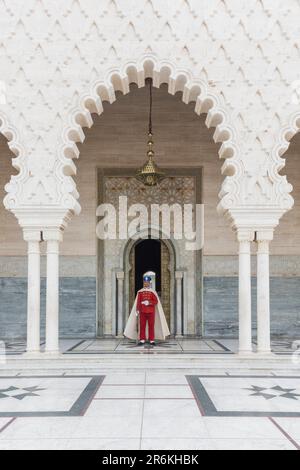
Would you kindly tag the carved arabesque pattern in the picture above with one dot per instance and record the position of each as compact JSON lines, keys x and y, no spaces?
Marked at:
{"x":244,"y":56}
{"x":173,"y":189}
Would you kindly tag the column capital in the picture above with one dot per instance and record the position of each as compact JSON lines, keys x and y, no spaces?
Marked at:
{"x":120,"y":275}
{"x":53,"y":234}
{"x":264,"y":235}
{"x":179,"y":275}
{"x":41,"y":218}
{"x":32,"y":235}
{"x":245,"y":235}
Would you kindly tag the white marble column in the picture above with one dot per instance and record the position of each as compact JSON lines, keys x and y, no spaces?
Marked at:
{"x":263,"y":292}
{"x":33,"y":238}
{"x":120,"y":287}
{"x":53,"y":238}
{"x":179,"y":279}
{"x":245,"y":325}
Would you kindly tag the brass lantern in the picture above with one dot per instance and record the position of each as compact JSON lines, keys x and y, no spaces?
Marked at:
{"x":150,"y":174}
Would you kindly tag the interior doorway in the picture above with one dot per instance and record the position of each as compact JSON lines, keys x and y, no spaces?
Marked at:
{"x":147,"y":258}
{"x":152,"y":255}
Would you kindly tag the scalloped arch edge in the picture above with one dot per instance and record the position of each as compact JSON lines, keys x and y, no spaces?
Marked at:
{"x":282,"y":187}
{"x":13,"y":187}
{"x":178,"y":80}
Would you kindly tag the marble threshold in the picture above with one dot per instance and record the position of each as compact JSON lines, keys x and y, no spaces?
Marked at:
{"x":188,"y":363}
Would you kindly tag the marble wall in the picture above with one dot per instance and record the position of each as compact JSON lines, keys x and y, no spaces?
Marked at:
{"x":221,"y":306}
{"x":78,"y":307}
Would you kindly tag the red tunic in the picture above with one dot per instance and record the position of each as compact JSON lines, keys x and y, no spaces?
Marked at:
{"x":147,"y":313}
{"x":144,"y":296}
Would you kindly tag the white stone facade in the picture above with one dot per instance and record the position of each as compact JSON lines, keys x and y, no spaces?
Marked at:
{"x":238,"y":60}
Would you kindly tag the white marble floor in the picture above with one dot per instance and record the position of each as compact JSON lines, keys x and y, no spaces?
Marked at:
{"x":150,"y":409}
{"x":123,"y":345}
{"x":201,"y":346}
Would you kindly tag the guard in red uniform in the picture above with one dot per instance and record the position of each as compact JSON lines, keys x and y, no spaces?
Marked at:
{"x":145,"y":308}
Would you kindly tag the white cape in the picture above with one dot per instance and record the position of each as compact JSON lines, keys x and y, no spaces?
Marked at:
{"x":161,"y":326}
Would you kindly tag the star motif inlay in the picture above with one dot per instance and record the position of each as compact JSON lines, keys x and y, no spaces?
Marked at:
{"x":10,"y":392}
{"x":268,"y":392}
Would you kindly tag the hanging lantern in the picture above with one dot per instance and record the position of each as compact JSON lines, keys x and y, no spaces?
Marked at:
{"x":150,"y":174}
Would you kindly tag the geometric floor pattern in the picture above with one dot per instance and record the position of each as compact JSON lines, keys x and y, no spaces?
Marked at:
{"x":151,"y":410}
{"x":247,"y":395}
{"x":47,"y":396}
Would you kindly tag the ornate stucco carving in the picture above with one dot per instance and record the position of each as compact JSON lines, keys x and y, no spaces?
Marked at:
{"x":179,"y":189}
{"x":238,"y":60}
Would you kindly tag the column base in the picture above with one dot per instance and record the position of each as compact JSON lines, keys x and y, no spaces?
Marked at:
{"x":245,"y":352}
{"x":266,"y":353}
{"x":32,"y":354}
{"x":52,"y":354}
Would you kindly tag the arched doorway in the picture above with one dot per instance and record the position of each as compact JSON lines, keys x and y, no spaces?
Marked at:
{"x":182,"y":298}
{"x":152,"y":255}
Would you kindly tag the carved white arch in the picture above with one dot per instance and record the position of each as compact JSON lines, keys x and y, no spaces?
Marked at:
{"x":118,"y":79}
{"x":282,"y":187}
{"x":14,"y":187}
{"x":143,"y":234}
